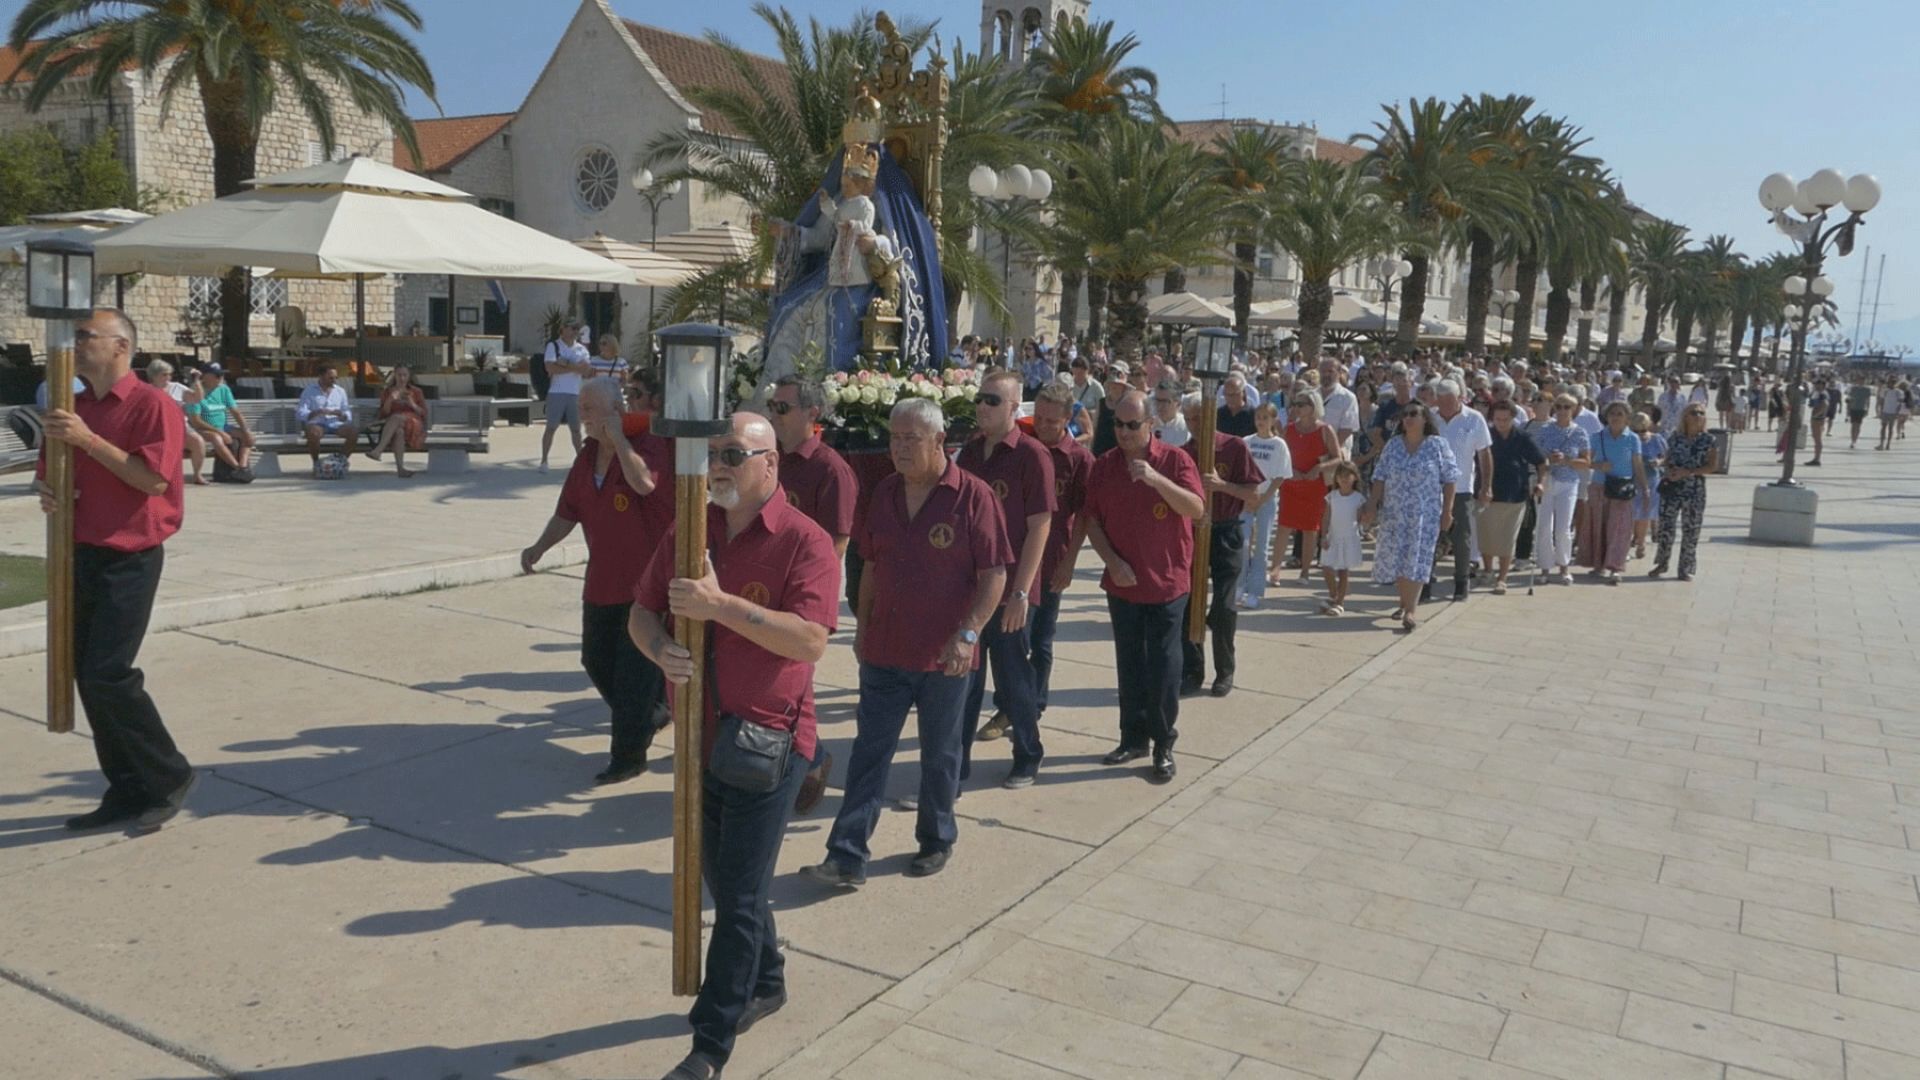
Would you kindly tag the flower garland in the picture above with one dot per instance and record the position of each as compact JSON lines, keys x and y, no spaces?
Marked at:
{"x":862,"y":400}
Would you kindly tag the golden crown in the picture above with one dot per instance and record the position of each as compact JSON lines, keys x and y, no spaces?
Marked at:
{"x":866,"y":119}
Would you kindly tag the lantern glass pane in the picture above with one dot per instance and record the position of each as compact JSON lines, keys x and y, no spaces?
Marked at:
{"x":691,"y":383}
{"x":44,"y":279}
{"x":79,"y":281}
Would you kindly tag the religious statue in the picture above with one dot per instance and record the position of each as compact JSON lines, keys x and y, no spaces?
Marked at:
{"x":867,"y":253}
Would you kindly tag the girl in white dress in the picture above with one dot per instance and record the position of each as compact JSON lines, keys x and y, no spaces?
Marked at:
{"x":1341,"y":530}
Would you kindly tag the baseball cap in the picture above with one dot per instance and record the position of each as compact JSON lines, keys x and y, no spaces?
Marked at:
{"x":213,"y":368}
{"x":1118,"y":369}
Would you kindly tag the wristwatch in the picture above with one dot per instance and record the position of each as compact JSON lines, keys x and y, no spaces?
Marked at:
{"x":969,"y":637}
{"x":1020,"y":594}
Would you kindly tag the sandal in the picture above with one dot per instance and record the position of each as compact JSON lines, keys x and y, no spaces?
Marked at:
{"x":1499,"y":588}
{"x":1408,"y":624}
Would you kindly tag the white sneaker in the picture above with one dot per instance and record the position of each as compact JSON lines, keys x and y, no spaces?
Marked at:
{"x":1566,"y":578}
{"x":543,"y":466}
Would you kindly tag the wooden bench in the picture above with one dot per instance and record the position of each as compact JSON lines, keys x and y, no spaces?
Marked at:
{"x":456,"y":430}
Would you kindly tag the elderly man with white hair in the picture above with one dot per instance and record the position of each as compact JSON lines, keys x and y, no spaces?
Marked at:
{"x":1471,"y":442}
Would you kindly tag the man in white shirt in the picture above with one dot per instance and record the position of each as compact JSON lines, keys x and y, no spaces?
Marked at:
{"x":567,"y":363}
{"x":1472,"y":443}
{"x":1342,"y":408}
{"x":326,"y":409}
{"x":1671,"y":402}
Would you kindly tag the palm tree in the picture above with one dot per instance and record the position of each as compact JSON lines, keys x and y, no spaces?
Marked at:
{"x":1656,"y":256}
{"x":1565,"y":189}
{"x":1085,"y":84}
{"x":1502,"y":122}
{"x":1327,"y":216}
{"x":1765,"y":305}
{"x":1431,"y":164}
{"x":1144,"y":204}
{"x":241,"y":57}
{"x":992,"y":114}
{"x":1249,"y":161}
{"x":1720,"y":266}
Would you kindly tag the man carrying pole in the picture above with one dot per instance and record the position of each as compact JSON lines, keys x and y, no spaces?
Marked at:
{"x":126,"y":440}
{"x":769,"y":584}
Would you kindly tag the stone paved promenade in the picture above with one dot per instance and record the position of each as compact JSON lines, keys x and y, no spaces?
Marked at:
{"x":1661,"y":831}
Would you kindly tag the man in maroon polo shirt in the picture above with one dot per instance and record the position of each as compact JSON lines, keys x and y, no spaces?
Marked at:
{"x":936,"y":557}
{"x":128,"y":499}
{"x":619,"y":491}
{"x":817,"y":480}
{"x":771,"y":595}
{"x":1020,"y":471}
{"x":1142,"y":498}
{"x":1233,"y":485}
{"x":1072,"y":464}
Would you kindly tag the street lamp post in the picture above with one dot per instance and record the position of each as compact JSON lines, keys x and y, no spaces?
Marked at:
{"x":1504,"y":299}
{"x":1802,"y":211}
{"x":1009,"y":186}
{"x":655,"y":191}
{"x":1212,"y":361}
{"x":1392,"y":274}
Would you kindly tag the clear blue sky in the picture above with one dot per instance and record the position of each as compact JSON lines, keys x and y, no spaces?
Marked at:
{"x":1691,"y":101}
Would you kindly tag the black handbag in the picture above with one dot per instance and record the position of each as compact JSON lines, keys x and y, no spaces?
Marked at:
{"x":746,"y":755}
{"x":1618,"y":488}
{"x":1669,"y":487}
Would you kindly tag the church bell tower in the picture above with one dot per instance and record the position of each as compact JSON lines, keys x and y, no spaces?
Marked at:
{"x":1011,"y":29}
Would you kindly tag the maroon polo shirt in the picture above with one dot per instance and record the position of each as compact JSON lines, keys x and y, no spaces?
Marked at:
{"x":622,"y":526}
{"x":1141,"y":527}
{"x":923,"y":568}
{"x":1020,"y":472}
{"x":1072,"y":463}
{"x":1235,"y":464}
{"x":821,"y":485}
{"x":142,"y":420}
{"x":781,"y":561}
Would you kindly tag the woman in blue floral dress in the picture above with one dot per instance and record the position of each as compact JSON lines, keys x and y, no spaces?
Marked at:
{"x":1413,"y":496}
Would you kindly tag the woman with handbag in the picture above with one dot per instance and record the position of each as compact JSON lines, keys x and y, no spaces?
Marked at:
{"x":1618,"y":473}
{"x":403,"y":416}
{"x":1692,"y":456}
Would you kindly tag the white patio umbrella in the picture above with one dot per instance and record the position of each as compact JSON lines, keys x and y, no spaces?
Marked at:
{"x":353,"y":217}
{"x":1279,"y":312}
{"x":356,"y":216}
{"x":1187,"y":309}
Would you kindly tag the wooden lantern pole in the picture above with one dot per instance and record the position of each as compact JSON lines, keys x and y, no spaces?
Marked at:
{"x":1203,"y":528}
{"x":60,"y":617}
{"x":689,"y":715}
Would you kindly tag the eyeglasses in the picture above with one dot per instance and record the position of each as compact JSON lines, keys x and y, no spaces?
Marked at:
{"x":1129,"y":425}
{"x":988,"y":398}
{"x":90,"y":335}
{"x":781,"y":408}
{"x":733,"y":456}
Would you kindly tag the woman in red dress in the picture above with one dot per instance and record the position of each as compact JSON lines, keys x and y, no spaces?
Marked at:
{"x":404,"y":409}
{"x":1315,"y":449}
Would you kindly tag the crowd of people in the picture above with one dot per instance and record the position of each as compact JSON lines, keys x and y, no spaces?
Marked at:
{"x":956,"y":562}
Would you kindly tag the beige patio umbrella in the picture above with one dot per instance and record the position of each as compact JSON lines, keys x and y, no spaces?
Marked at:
{"x":1187,"y":309}
{"x":356,"y":216}
{"x":1277,"y":312}
{"x":654,"y":269}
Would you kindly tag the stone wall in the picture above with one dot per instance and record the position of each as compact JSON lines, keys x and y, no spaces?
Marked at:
{"x":168,"y":149}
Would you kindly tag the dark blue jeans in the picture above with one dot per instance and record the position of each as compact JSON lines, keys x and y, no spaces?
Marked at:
{"x":1041,"y":626}
{"x":1146,"y":660}
{"x":740,"y":836}
{"x":886,"y":694}
{"x":1013,"y":691}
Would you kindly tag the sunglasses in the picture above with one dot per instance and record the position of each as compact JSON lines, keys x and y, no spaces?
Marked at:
{"x":733,"y":456}
{"x":1129,"y":425}
{"x":989,"y":399}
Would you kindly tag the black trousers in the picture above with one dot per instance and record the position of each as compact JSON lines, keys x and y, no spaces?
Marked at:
{"x":628,"y":682}
{"x":112,"y":601}
{"x":855,"y":564}
{"x":1224,"y":567}
{"x":740,"y":835}
{"x":1460,"y":538}
{"x":1146,"y":655}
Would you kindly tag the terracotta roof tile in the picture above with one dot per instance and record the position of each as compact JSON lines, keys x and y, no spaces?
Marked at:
{"x":1338,"y":151}
{"x":444,"y":141}
{"x":690,"y":62}
{"x":10,"y":60}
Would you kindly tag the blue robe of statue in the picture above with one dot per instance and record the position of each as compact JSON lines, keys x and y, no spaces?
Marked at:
{"x":808,"y":310}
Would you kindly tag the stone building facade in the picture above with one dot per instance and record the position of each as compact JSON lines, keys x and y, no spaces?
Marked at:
{"x":166,"y":149}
